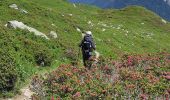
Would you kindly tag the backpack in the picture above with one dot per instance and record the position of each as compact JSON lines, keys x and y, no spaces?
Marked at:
{"x":87,"y":44}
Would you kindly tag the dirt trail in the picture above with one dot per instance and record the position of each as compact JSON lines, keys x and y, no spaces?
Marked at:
{"x":25,"y":94}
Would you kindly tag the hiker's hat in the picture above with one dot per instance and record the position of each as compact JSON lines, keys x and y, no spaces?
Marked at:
{"x":88,"y":32}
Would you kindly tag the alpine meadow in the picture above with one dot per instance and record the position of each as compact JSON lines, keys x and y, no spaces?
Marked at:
{"x":40,"y":57}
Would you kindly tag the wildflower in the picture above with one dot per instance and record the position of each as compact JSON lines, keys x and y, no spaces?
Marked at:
{"x":69,"y":74}
{"x":88,"y":91}
{"x":167,"y":77}
{"x":166,"y":73}
{"x":113,"y":62}
{"x":76,"y":95}
{"x":104,"y":91}
{"x":143,"y":96}
{"x":52,"y":98}
{"x":93,"y":94}
{"x":148,"y":68}
{"x":70,"y":89}
{"x":78,"y":81}
{"x":87,"y":81}
{"x":168,"y":90}
{"x":166,"y":96}
{"x":58,"y":98}
{"x":130,"y":86}
{"x":98,"y":76}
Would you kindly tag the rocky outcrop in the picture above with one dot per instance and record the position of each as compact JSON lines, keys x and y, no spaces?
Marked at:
{"x":16,"y":24}
{"x":14,"y":6}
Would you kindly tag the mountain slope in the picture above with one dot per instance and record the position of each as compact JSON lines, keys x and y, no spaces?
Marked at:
{"x":116,"y":32}
{"x":161,"y":7}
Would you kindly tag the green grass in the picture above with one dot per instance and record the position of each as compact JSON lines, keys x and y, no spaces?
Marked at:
{"x":150,"y":37}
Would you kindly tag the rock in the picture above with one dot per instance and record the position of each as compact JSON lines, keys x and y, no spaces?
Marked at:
{"x":142,"y":23}
{"x":104,"y":25}
{"x":74,"y":5}
{"x":78,"y":29}
{"x":5,"y":25}
{"x":13,"y":6}
{"x":16,"y":24}
{"x":99,"y":39}
{"x":103,"y":29}
{"x":114,"y":33}
{"x":70,"y":14}
{"x":53,"y":24}
{"x":118,"y":28}
{"x":89,"y":22}
{"x":53,"y":34}
{"x":164,"y":21}
{"x":24,"y":11}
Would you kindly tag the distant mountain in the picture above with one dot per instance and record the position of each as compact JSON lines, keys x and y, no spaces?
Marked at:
{"x":161,"y":7}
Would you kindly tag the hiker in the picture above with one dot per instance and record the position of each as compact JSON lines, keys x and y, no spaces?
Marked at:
{"x":87,"y":45}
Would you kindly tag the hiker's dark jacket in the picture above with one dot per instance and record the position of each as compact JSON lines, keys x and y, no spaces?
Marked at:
{"x":91,"y":40}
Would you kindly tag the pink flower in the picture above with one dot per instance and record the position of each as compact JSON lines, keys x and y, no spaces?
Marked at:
{"x":143,"y":96}
{"x":113,"y":62}
{"x":167,"y":77}
{"x":76,"y":95}
{"x":52,"y":98}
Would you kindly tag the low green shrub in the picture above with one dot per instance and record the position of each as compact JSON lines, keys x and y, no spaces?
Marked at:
{"x":8,"y":74}
{"x":43,"y":57}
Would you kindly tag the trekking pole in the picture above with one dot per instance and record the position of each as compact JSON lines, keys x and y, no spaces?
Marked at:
{"x":78,"y":54}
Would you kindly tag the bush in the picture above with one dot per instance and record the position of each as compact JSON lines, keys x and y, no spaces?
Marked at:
{"x":43,"y":57}
{"x":69,"y":82}
{"x":117,"y":79}
{"x":8,"y":74}
{"x":72,"y":55}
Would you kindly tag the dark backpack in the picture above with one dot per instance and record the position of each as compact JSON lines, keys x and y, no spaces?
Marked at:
{"x":87,"y":43}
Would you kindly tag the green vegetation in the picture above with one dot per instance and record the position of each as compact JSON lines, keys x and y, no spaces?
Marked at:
{"x":8,"y":72}
{"x":116,"y":32}
{"x":137,"y":77}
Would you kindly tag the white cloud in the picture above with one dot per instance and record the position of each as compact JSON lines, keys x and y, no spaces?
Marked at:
{"x":167,"y":1}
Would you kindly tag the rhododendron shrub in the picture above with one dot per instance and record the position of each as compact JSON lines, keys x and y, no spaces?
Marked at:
{"x":131,"y":77}
{"x":71,"y":82}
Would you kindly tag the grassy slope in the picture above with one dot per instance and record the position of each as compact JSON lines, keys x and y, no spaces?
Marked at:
{"x":110,"y":43}
{"x":42,"y":14}
{"x":115,"y":41}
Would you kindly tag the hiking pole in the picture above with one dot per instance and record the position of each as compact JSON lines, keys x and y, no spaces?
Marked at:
{"x":78,"y":56}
